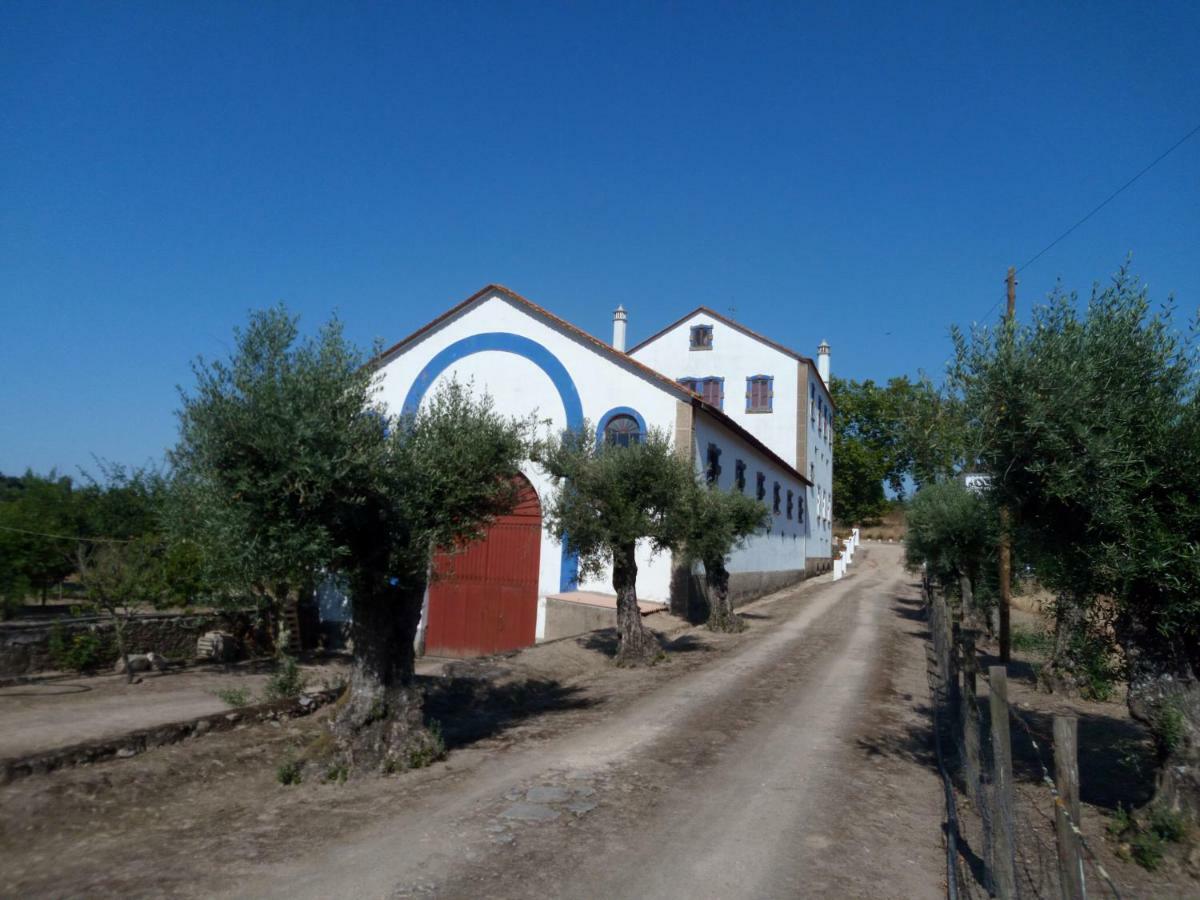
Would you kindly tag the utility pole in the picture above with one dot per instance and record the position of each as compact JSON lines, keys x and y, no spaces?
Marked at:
{"x":1005,"y":548}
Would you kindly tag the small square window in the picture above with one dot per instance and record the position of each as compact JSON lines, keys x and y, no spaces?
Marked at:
{"x":761,"y":490}
{"x":702,"y":337}
{"x":760,"y":393}
{"x":775,"y":497}
{"x":739,"y":476}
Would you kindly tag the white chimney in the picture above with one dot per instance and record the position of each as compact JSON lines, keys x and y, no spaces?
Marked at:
{"x":823,"y":361}
{"x":619,"y":317}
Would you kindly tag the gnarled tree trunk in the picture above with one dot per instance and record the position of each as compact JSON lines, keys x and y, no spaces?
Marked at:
{"x":1164,"y":695}
{"x":721,"y":616}
{"x":635,"y":644}
{"x":379,"y":725}
{"x":1060,"y":673}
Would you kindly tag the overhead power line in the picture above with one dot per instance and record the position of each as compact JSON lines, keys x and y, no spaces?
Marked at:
{"x":66,"y":537}
{"x":1107,"y":200}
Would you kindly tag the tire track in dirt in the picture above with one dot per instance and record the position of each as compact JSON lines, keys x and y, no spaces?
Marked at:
{"x":718,"y":784}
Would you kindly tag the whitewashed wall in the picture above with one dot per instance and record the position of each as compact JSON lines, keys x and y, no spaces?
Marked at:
{"x":520,"y":387}
{"x":734,"y":356}
{"x":820,"y":461}
{"x":783,"y":547}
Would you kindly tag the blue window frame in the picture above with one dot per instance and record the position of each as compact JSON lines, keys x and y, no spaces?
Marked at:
{"x":760,"y":393}
{"x":710,"y":388}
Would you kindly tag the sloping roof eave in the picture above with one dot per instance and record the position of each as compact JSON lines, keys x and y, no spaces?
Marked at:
{"x":607,"y":350}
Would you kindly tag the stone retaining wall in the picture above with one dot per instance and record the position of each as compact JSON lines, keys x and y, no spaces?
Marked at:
{"x":25,"y":647}
{"x":135,"y":742}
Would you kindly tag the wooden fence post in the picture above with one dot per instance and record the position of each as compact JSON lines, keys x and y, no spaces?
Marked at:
{"x":1066,"y":810}
{"x":1004,"y":868}
{"x":969,"y":715}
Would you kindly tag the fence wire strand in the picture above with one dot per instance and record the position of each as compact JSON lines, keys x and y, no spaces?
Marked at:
{"x":1038,"y":874}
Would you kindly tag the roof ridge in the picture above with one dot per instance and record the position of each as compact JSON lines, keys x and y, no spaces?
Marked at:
{"x":607,"y":349}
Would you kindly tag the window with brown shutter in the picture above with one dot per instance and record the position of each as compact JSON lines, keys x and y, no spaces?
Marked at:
{"x":760,"y":393}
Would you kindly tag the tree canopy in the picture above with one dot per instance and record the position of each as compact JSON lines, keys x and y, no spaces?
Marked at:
{"x":609,"y":498}
{"x":288,"y":467}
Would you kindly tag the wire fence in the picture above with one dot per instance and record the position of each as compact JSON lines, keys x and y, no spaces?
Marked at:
{"x":1007,"y":852}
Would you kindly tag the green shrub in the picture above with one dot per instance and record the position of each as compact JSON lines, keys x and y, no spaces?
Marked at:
{"x":1146,"y":848}
{"x":1168,"y":824}
{"x":287,"y":681}
{"x":82,"y":651}
{"x":430,"y":749}
{"x":1169,"y":727}
{"x":1121,"y":822}
{"x":235,"y":697}
{"x":337,"y":773}
{"x":1032,"y":640}
{"x":288,"y":772}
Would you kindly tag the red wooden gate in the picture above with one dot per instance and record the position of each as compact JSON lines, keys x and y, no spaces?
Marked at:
{"x":483,"y":599}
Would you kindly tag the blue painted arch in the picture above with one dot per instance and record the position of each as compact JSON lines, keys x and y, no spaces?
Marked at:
{"x":518,"y":345}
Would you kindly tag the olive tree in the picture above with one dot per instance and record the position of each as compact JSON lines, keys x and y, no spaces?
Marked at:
{"x":950,"y":531}
{"x":718,"y":523}
{"x":609,"y":497}
{"x":1088,"y":422}
{"x":292,"y":468}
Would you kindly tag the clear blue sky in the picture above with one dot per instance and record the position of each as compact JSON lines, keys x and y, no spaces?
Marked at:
{"x":858,"y":173}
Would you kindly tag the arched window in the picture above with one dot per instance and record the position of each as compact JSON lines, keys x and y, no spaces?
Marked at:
{"x":622,"y":430}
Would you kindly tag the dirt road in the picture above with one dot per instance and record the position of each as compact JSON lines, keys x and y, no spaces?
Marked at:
{"x":792,"y":760}
{"x":791,"y":767}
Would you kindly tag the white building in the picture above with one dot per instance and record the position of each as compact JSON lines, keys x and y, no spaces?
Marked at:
{"x":520,"y":584}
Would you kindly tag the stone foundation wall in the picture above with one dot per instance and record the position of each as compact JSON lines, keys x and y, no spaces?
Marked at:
{"x":817,"y":565}
{"x":690,"y":599}
{"x":25,"y":647}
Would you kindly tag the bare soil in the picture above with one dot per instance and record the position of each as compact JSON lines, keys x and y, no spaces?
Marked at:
{"x":794,"y":758}
{"x":1116,"y":769}
{"x":57,"y":712}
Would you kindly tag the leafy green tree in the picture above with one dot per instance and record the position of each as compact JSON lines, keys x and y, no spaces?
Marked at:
{"x":889,"y":435}
{"x":1088,"y":423}
{"x":718,"y":523}
{"x":38,"y":517}
{"x":950,"y":530}
{"x":123,"y":578}
{"x":608,"y":498}
{"x":290,"y":467}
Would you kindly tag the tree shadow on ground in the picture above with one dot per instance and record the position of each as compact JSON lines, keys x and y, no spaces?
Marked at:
{"x":605,"y":641}
{"x":470,"y":709}
{"x":1018,"y":669}
{"x":1116,"y":754}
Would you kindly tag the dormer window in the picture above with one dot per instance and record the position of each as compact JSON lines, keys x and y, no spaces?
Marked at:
{"x":760,"y":393}
{"x":701,"y":338}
